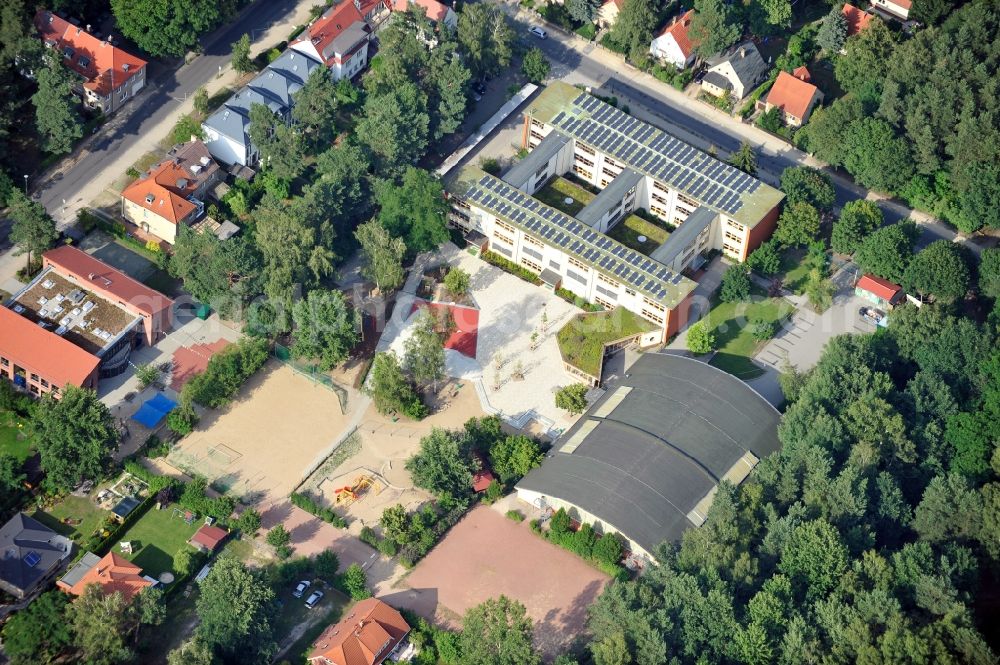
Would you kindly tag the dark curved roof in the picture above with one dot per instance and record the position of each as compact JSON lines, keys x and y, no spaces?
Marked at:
{"x":649,"y":452}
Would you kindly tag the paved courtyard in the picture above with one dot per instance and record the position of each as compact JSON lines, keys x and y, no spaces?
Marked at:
{"x":510,"y":311}
{"x":486,"y":555}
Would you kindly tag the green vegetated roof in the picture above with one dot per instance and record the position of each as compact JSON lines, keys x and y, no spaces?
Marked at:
{"x":582,"y":340}
{"x":597,"y":250}
{"x":655,"y":153}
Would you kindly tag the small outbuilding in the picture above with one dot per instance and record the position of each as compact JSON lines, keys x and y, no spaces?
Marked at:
{"x":124,"y":508}
{"x":208,"y":538}
{"x":880,"y":292}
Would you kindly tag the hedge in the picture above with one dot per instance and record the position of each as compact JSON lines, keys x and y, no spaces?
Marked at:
{"x":495,"y":259}
{"x":226,"y":372}
{"x":308,"y":504}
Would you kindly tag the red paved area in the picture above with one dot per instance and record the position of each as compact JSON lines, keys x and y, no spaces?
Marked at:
{"x":486,"y":555}
{"x":466,"y":321}
{"x":191,"y":360}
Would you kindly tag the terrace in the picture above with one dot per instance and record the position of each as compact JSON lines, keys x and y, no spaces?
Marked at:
{"x":81,"y":316}
{"x":583,"y":341}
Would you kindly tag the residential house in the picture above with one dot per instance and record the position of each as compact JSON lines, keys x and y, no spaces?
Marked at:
{"x":880,"y":292}
{"x":208,"y":538}
{"x":370,"y":634}
{"x":438,"y":12}
{"x":31,"y":553}
{"x":376,"y":11}
{"x":736,"y":71}
{"x":172,"y":193}
{"x":857,"y":20}
{"x":109,"y":76}
{"x":339,"y":39}
{"x":112,"y":572}
{"x":899,"y":9}
{"x":608,"y":12}
{"x":673,"y":45}
{"x":794,"y":97}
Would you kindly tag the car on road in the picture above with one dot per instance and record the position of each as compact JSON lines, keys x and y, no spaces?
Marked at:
{"x":313,"y":599}
{"x":538,"y":32}
{"x":301,"y":588}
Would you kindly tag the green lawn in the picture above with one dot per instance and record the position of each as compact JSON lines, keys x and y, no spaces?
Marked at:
{"x":13,"y":439}
{"x":794,"y":269}
{"x":73,"y":508}
{"x":558,"y":190}
{"x":159,"y":535}
{"x":628,"y":230}
{"x":582,"y":340}
{"x":735,"y":345}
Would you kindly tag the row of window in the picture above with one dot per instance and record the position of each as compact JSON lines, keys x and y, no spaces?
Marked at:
{"x":584,"y":161}
{"x":530,"y":264}
{"x":583,"y":173}
{"x":578,"y":264}
{"x":505,"y":226}
{"x":505,"y":238}
{"x":735,"y":238}
{"x":655,"y":305}
{"x":730,"y":248}
{"x":651,"y":316}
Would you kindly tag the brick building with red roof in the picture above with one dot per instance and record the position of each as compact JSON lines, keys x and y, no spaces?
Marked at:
{"x":794,"y":97}
{"x":857,"y":20}
{"x":113,"y":573}
{"x":367,"y":636}
{"x":208,"y":538}
{"x":110,"y":76}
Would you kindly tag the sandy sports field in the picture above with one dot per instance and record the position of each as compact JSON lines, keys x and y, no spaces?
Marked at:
{"x":264,"y":442}
{"x":487,"y":554}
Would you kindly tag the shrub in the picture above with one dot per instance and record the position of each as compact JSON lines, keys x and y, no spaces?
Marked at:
{"x":457,"y":281}
{"x":354,"y":582}
{"x":491,"y":165}
{"x":154,"y":447}
{"x":182,"y":419}
{"x":326,"y":566}
{"x":700,"y":340}
{"x":573,"y":398}
{"x":535,"y":526}
{"x":608,"y":549}
{"x":369,"y":536}
{"x":736,"y":284}
{"x":278,"y":537}
{"x":763,"y":330}
{"x":248,"y":522}
{"x":766,"y":259}
{"x":493,"y":493}
{"x":226,"y":372}
{"x":511,"y":267}
{"x":308,"y":504}
{"x":515,"y":515}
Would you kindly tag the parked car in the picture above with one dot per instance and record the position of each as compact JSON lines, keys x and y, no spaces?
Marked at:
{"x":876,"y":316}
{"x":538,"y":32}
{"x":301,"y":588}
{"x":313,"y":599}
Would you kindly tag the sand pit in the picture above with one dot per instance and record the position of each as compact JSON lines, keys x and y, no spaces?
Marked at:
{"x":487,"y":554}
{"x":260,"y":447}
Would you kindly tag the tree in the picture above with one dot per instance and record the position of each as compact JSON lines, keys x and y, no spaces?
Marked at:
{"x":798,"y":225}
{"x":241,"y":55}
{"x":236,"y":609}
{"x":390,"y":389}
{"x":56,"y":115}
{"x":100,"y":623}
{"x":415,"y":210}
{"x":486,"y":37}
{"x":457,"y":281}
{"x":535,"y":66}
{"x":573,"y":398}
{"x":281,"y":147}
{"x":583,"y":11}
{"x":11,"y":477}
{"x":832,"y":32}
{"x":13,"y":29}
{"x":497,"y":632}
{"x":147,"y":375}
{"x":40,"y":632}
{"x":745,"y":159}
{"x":940,"y":271}
{"x":75,"y":436}
{"x":803,"y":184}
{"x":395,"y":127}
{"x":168,"y":27}
{"x":192,"y":652}
{"x":930,"y":12}
{"x":612,"y":650}
{"x":326,"y":328}
{"x":950,"y":508}
{"x":824,"y":135}
{"x":989,"y":273}
{"x":514,"y":456}
{"x":980,"y":198}
{"x":866,"y":62}
{"x":383,"y":256}
{"x":700,"y":339}
{"x":223,"y":274}
{"x":876,"y":157}
{"x":201,"y":101}
{"x":279,"y":539}
{"x":858,"y":219}
{"x":248,"y":523}
{"x":441,"y":466}
{"x":736,"y":284}
{"x":355,"y":582}
{"x":423,"y":350}
{"x":633,"y":29}
{"x":887,"y":251}
{"x":714,"y":27}
{"x":766,"y":259}
{"x":33,"y":230}
{"x":814,"y":557}
{"x":777,"y":12}
{"x":315,"y":109}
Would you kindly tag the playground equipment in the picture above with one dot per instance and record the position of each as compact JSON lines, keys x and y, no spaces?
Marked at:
{"x":348,"y":494}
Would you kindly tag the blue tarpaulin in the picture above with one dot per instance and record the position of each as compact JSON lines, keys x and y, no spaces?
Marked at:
{"x":154,"y":410}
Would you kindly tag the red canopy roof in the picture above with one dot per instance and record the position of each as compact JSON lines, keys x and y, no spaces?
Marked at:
{"x":882,"y":288}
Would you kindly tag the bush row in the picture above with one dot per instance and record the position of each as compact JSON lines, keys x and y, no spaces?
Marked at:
{"x":495,"y":259}
{"x":308,"y":504}
{"x":605,"y":551}
{"x":226,"y":372}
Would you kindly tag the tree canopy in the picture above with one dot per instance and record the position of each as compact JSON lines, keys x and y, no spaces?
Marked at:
{"x":236,"y":609}
{"x":497,"y":632}
{"x":441,"y":466}
{"x":485,"y":33}
{"x":940,"y":270}
{"x":887,"y":251}
{"x":33,"y":231}
{"x":804,"y":184}
{"x":414,"y":210}
{"x":633,"y":29}
{"x":714,"y":27}
{"x":169,"y":27}
{"x":858,"y":219}
{"x":56,"y":115}
{"x":832,"y":32}
{"x":75,"y":436}
{"x":390,"y":388}
{"x":383,"y":255}
{"x":326,"y":328}
{"x":423,"y":350}
{"x":798,"y":224}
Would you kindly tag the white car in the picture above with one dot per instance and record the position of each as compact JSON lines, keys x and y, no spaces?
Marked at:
{"x":301,"y":588}
{"x":313,"y":599}
{"x":538,"y":32}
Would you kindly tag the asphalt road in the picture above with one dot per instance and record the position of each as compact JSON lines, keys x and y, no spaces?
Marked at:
{"x":165,"y":91}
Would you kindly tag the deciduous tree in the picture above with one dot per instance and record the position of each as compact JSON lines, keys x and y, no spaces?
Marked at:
{"x":441,"y":466}
{"x":40,"y":632}
{"x":876,"y":156}
{"x":700,"y":339}
{"x":395,"y":126}
{"x":736,"y":284}
{"x":326,"y":328}
{"x":423,"y":350}
{"x":633,"y":29}
{"x":869,"y":52}
{"x":391,"y":390}
{"x":515,"y":456}
{"x":75,"y":436}
{"x":858,"y":219}
{"x":766,"y":259}
{"x":887,"y":251}
{"x":236,"y":611}
{"x":355,"y":582}
{"x":241,"y":55}
{"x":56,"y":116}
{"x":497,"y":632}
{"x":486,"y":37}
{"x":457,"y":281}
{"x":989,"y":273}
{"x":315,"y":109}
{"x":535,"y":66}
{"x":798,"y":224}
{"x":414,"y":210}
{"x":100,"y":624}
{"x":714,"y":27}
{"x":33,"y":231}
{"x":168,"y":27}
{"x":940,"y":270}
{"x":803,"y":184}
{"x":383,"y":255}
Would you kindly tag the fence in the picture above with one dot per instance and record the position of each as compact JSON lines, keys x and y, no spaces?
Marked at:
{"x":312,"y":372}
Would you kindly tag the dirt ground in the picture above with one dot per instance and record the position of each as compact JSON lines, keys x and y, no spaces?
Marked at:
{"x":261,"y":445}
{"x":485,"y":555}
{"x":382,"y":450}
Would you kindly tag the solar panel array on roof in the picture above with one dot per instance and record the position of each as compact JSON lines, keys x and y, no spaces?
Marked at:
{"x":499,"y":198}
{"x":656,"y":153}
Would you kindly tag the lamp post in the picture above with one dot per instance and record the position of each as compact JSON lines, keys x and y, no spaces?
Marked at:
{"x":25,"y":184}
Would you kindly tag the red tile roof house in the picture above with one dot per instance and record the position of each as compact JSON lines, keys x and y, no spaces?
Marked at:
{"x":339,"y":39}
{"x":880,"y":292}
{"x":857,"y":20}
{"x":110,"y":76}
{"x":371,"y":633}
{"x":438,"y":12}
{"x":208,"y":538}
{"x":113,"y":572}
{"x":76,"y":322}
{"x":673,"y":45}
{"x":171,"y":193}
{"x":794,"y":96}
